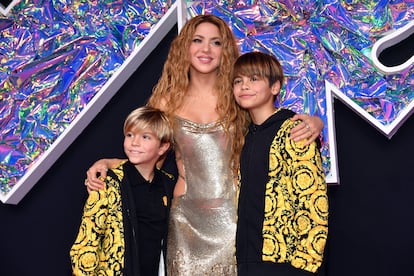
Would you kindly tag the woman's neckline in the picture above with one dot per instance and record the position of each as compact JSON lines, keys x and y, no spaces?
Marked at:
{"x":197,"y":123}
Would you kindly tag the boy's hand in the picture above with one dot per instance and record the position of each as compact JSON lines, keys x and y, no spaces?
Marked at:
{"x":309,"y":129}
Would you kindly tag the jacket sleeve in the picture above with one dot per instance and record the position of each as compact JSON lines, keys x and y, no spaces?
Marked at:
{"x":310,"y":203}
{"x":84,"y":253}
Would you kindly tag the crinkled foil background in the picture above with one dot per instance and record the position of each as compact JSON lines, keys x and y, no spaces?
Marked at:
{"x":56,"y":55}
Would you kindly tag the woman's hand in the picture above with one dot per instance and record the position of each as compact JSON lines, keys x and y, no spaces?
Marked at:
{"x":309,"y":129}
{"x":97,"y":173}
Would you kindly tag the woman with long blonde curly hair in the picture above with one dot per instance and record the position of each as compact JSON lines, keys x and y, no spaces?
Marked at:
{"x":209,"y":126}
{"x":172,"y":87}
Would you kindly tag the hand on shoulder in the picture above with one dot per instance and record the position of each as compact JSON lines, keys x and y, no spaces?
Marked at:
{"x":309,"y":129}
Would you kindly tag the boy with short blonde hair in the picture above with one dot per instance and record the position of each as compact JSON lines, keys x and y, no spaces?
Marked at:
{"x":124,"y":225}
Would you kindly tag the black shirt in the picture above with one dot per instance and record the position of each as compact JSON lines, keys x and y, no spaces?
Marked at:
{"x":148,"y":211}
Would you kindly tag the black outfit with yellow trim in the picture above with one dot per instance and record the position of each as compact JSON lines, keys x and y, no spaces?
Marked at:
{"x":283,"y":206}
{"x":124,"y":226}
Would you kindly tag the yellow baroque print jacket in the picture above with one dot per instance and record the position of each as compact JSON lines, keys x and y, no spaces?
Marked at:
{"x":107,"y":241}
{"x":99,"y":247}
{"x":293,"y":226}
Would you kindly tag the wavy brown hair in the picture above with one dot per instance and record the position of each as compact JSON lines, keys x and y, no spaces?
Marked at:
{"x":174,"y":81}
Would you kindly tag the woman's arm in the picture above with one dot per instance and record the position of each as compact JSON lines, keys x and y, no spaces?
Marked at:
{"x":180,"y":186}
{"x":97,"y":172}
{"x":309,"y":129}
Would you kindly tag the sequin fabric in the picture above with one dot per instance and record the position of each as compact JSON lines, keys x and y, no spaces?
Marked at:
{"x":201,"y":239}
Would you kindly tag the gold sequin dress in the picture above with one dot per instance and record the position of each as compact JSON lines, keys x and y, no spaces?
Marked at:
{"x":201,"y":237}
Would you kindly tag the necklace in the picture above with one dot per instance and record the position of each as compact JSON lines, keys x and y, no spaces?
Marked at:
{"x":277,"y":110}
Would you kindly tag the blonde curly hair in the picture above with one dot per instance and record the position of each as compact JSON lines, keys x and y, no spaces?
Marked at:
{"x":174,"y":81}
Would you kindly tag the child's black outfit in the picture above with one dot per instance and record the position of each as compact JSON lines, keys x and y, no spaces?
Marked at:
{"x":283,"y":207}
{"x":147,"y":211}
{"x":124,"y":226}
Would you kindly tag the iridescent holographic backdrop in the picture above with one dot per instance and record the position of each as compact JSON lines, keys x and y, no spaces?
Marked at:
{"x":56,"y":55}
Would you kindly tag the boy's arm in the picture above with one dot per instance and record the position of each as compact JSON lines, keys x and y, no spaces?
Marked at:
{"x":311,"y":217}
{"x":84,"y":252}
